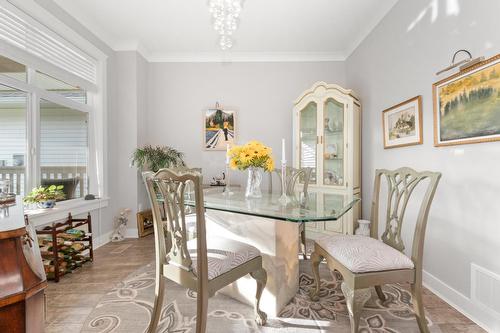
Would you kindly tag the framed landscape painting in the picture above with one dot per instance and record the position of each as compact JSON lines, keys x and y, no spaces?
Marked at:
{"x":219,"y":128}
{"x":402,"y":124}
{"x":467,"y":105}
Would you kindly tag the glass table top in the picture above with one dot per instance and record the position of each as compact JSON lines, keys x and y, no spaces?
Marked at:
{"x":317,"y":206}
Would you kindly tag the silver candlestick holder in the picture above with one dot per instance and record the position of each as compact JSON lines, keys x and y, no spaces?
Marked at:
{"x":284,"y":199}
{"x":227,"y":187}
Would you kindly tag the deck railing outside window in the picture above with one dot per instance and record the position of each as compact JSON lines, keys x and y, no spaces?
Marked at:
{"x":17,"y":177}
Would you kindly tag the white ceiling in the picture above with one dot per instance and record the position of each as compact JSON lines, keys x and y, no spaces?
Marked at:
{"x":280,"y":30}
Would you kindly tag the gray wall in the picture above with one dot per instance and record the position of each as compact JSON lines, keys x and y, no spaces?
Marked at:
{"x":261,"y":93}
{"x":397,"y":61}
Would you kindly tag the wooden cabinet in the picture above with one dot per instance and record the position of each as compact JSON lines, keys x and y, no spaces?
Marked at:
{"x":22,"y":277}
{"x":327,"y":138}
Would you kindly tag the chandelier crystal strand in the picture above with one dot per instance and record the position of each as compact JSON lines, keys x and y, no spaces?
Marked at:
{"x":225,"y":14}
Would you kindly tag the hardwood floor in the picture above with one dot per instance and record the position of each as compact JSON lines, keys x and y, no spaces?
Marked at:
{"x":70,"y":301}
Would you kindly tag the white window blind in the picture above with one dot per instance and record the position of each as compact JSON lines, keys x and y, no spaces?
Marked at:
{"x":22,"y":31}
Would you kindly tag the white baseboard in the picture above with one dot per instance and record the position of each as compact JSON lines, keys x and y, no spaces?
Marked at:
{"x":462,"y":303}
{"x":102,"y":239}
{"x":106,"y":237}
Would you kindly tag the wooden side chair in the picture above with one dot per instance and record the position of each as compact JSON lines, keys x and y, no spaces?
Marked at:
{"x":202,"y":265}
{"x":366,"y":262}
{"x":292,"y":176}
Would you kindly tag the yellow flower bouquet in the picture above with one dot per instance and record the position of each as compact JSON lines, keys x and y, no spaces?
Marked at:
{"x":255,"y":157}
{"x":253,"y":154}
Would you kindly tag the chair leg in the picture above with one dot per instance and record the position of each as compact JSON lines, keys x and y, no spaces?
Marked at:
{"x":261,"y":277}
{"x":201,"y":311}
{"x":158,"y":302}
{"x":355,"y":300}
{"x":315,"y":261}
{"x":418,"y":307}
{"x":303,"y":242}
{"x":380,"y":293}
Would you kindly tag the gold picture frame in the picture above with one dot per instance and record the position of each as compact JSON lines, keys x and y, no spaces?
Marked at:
{"x":145,"y":223}
{"x":467,"y":105}
{"x":402,"y":124}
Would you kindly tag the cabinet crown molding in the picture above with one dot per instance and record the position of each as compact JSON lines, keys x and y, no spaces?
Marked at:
{"x":320,"y":85}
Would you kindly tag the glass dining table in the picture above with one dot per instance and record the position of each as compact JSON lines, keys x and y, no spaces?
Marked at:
{"x":273,"y":228}
{"x":313,"y":207}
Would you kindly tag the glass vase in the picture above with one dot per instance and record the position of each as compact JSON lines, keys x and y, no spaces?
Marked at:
{"x":253,"y":183}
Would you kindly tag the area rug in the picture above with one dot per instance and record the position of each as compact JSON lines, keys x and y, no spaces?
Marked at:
{"x":127,"y":308}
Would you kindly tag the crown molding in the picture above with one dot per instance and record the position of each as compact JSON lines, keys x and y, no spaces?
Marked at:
{"x":229,"y":56}
{"x":233,"y":56}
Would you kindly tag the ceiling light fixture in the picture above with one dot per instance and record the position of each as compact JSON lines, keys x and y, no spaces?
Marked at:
{"x":225,"y":15}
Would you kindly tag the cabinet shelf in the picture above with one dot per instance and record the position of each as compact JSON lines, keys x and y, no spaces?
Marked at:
{"x":332,"y":133}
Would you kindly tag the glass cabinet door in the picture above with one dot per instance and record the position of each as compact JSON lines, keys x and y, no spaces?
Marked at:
{"x":333,"y":143}
{"x":308,"y":134}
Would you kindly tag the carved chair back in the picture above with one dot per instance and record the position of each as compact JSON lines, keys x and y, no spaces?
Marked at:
{"x":292,"y":176}
{"x":167,"y":190}
{"x":400,"y":186}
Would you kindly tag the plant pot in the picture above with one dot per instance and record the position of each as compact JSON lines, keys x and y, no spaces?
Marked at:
{"x":253,"y":183}
{"x":47,"y":204}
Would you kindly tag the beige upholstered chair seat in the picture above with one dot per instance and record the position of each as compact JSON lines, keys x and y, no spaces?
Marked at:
{"x":223,"y":255}
{"x":362,"y":254}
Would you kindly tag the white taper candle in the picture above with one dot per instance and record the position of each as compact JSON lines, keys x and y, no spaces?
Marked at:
{"x":227,"y":153}
{"x":283,"y":156}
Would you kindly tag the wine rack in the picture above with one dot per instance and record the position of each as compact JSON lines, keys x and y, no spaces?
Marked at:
{"x":65,"y":246}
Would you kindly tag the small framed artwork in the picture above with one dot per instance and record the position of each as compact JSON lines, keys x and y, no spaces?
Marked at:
{"x":219,"y":129}
{"x":402,"y":124}
{"x":467,"y":105}
{"x":145,"y":223}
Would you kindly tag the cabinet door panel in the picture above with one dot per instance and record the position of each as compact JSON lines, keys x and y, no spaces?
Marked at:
{"x":334,"y":226}
{"x":308,"y":136}
{"x":313,"y":226}
{"x":333,"y":143}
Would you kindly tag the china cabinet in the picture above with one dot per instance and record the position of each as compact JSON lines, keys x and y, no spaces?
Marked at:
{"x":327,"y":138}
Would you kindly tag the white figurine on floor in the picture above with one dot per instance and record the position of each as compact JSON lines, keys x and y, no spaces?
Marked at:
{"x":121,"y":225}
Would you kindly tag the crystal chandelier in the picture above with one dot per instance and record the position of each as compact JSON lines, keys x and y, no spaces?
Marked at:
{"x":225,"y":14}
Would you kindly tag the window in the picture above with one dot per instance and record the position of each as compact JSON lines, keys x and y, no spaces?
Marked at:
{"x":42,"y":112}
{"x":49,"y":90}
{"x":13,"y":138}
{"x":63,"y":148}
{"x":49,"y":83}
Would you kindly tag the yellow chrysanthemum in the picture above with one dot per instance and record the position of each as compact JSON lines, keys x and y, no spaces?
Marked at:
{"x":270,"y":164}
{"x":232,"y":164}
{"x":245,"y":157}
{"x":252,"y":154}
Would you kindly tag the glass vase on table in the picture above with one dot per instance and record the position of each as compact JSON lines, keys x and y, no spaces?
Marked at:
{"x":254,"y":181}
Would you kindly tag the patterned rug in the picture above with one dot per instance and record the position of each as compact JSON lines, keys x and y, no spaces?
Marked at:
{"x":127,"y":308}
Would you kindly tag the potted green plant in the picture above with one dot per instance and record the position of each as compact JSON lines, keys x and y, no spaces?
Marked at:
{"x":45,"y":197}
{"x":154,"y":158}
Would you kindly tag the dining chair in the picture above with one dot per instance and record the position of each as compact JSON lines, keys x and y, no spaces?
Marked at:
{"x":201,"y":264}
{"x":292,"y":176}
{"x":366,"y":262}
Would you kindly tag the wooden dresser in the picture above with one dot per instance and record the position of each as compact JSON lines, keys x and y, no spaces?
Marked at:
{"x":22,"y":277}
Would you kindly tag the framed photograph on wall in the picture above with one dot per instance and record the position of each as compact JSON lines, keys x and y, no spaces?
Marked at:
{"x":402,"y":124}
{"x":467,"y":105}
{"x":219,"y":129}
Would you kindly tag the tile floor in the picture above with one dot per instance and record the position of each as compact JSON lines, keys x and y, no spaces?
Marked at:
{"x":73,"y":298}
